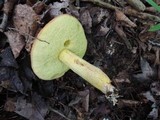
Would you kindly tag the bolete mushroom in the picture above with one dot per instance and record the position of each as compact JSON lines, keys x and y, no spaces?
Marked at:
{"x":60,"y":46}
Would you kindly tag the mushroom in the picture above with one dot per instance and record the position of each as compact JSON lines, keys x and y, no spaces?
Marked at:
{"x":60,"y":46}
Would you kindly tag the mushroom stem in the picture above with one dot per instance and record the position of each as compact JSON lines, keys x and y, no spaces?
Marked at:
{"x":90,"y":73}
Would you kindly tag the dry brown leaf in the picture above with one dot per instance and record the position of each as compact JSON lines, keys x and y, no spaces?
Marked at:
{"x":39,"y":6}
{"x":120,"y":16}
{"x":25,"y":21}
{"x":16,"y":42}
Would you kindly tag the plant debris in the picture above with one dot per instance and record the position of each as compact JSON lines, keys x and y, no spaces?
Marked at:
{"x":16,"y":42}
{"x":119,"y":43}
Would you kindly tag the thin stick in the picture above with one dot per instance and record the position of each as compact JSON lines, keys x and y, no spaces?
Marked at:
{"x":26,"y":34}
{"x":127,"y":11}
{"x":102,"y":4}
{"x":55,"y":111}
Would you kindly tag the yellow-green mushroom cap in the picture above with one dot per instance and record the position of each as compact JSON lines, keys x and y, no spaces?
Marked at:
{"x":63,"y":32}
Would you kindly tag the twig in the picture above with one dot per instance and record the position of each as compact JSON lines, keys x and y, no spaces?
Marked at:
{"x":102,"y":4}
{"x":137,"y":4}
{"x":26,"y":34}
{"x":150,"y":9}
{"x":127,"y":11}
{"x":123,"y":36}
{"x":141,"y":15}
{"x":55,"y":111}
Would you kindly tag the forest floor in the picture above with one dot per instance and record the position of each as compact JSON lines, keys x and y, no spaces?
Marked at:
{"x":119,"y":43}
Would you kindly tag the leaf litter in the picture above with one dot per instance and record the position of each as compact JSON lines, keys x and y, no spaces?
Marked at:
{"x":118,"y":42}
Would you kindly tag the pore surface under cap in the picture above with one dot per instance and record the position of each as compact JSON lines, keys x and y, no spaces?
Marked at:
{"x":63,"y":32}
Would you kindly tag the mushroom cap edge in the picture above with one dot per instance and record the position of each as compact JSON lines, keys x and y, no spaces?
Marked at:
{"x":62,"y":32}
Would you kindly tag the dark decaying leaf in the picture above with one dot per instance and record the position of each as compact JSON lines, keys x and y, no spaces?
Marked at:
{"x":36,"y":110}
{"x":17,"y":82}
{"x":101,"y":21}
{"x":26,"y":74}
{"x":23,"y":108}
{"x":100,"y":111}
{"x":1,"y":3}
{"x":7,"y":84}
{"x":55,"y":8}
{"x":75,"y":101}
{"x":10,"y":80}
{"x":25,"y":67}
{"x":86,"y":20}
{"x":149,"y":96}
{"x":3,"y":40}
{"x":83,"y":97}
{"x":155,"y":91}
{"x":155,"y":88}
{"x":46,"y":88}
{"x":16,"y":42}
{"x":7,"y":58}
{"x":5,"y":73}
{"x":40,"y":105}
{"x":147,"y":71}
{"x":1,"y":88}
{"x":98,"y":15}
{"x":8,"y":75}
{"x":153,"y":114}
{"x":9,"y":105}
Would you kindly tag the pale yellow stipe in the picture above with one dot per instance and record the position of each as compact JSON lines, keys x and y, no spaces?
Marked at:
{"x":90,"y":73}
